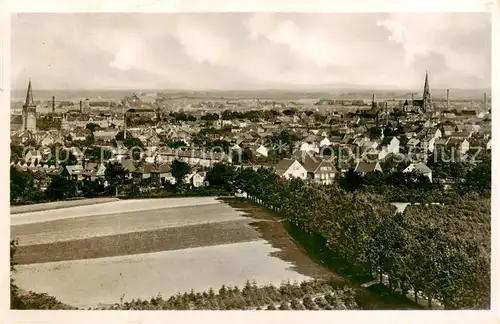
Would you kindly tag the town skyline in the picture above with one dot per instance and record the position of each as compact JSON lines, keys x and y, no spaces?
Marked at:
{"x":254,"y":51}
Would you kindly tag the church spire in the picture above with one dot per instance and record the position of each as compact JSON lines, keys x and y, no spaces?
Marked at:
{"x":426,"y":98}
{"x":29,"y":96}
{"x":426,"y":84}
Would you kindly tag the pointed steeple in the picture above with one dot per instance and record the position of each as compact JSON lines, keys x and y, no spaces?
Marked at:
{"x":29,"y":96}
{"x":426,"y":84}
{"x":426,"y":98}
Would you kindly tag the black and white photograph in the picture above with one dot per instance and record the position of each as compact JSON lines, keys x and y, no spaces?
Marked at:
{"x":250,"y":161}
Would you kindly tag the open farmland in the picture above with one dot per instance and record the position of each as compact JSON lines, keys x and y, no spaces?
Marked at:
{"x":88,"y":255}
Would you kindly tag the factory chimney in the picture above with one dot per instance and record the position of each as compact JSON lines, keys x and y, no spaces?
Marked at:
{"x":485,"y":102}
{"x":81,"y":106}
{"x":125,"y":125}
{"x":53,"y":104}
{"x":447,"y":99}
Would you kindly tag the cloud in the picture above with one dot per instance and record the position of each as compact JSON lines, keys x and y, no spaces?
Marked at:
{"x":434,"y":34}
{"x":220,"y":50}
{"x":128,"y":53}
{"x":200,"y":43}
{"x":309,"y":46}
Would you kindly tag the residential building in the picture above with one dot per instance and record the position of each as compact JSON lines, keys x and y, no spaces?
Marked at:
{"x":291,"y":168}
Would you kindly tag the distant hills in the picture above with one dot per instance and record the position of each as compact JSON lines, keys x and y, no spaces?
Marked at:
{"x":277,"y":94}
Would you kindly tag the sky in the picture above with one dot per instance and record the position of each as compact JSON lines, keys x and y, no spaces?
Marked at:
{"x":250,"y":50}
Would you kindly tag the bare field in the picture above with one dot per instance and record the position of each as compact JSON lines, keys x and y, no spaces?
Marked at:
{"x":85,"y":283}
{"x":166,"y":239}
{"x":154,"y":246}
{"x":114,"y":207}
{"x":120,"y":223}
{"x":59,"y":204}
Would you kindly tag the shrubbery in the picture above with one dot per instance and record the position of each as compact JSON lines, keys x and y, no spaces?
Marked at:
{"x":441,"y":251}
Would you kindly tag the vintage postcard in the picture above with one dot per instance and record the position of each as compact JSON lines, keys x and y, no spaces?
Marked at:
{"x":201,"y":158}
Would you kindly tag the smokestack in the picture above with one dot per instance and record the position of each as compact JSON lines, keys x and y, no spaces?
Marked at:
{"x":125,"y":125}
{"x":447,"y":99}
{"x":81,"y":106}
{"x":485,"y":102}
{"x":53,"y":104}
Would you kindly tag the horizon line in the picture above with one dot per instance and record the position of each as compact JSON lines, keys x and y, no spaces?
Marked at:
{"x":291,"y":89}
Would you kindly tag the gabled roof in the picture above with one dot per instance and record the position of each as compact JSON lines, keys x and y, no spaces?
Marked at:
{"x":74,"y":169}
{"x":145,"y":168}
{"x":335,"y":139}
{"x":313,"y":164}
{"x":460,"y":134}
{"x":163,"y":168}
{"x":413,"y":141}
{"x":455,"y":141}
{"x":420,"y":167}
{"x":128,"y":165}
{"x":284,"y":165}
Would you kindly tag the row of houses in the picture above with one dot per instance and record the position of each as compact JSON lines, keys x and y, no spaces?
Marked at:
{"x":152,"y":172}
{"x":323,"y":171}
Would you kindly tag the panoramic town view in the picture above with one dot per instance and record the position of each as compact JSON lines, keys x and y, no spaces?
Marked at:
{"x":250,"y":161}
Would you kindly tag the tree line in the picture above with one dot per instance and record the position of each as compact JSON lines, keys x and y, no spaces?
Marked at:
{"x":439,"y":251}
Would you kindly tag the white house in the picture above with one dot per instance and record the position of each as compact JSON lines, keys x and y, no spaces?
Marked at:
{"x":420,"y":168}
{"x":437,"y":134}
{"x":259,"y":150}
{"x":290,"y":168}
{"x":236,"y":148}
{"x":389,"y":145}
{"x":463,"y":144}
{"x":50,"y":139}
{"x":197,"y":179}
{"x":33,"y":156}
{"x":324,"y":142}
{"x":488,"y":145}
{"x":431,"y":144}
{"x":309,"y":147}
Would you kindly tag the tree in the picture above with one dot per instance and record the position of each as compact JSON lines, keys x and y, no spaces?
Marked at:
{"x":20,"y":183}
{"x":290,"y":112}
{"x":115,"y":175}
{"x":221,"y":176}
{"x":177,"y":144}
{"x":69,"y":159}
{"x":133,"y":142}
{"x":374,"y":133}
{"x":93,"y":189}
{"x":179,"y":170}
{"x":246,"y":155}
{"x":60,"y":188}
{"x":16,"y":151}
{"x":119,"y":136}
{"x":92,"y":127}
{"x":351,"y":180}
{"x":478,"y":179}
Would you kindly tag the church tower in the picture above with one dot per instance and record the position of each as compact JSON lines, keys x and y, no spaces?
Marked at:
{"x":29,"y":111}
{"x":426,"y":98}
